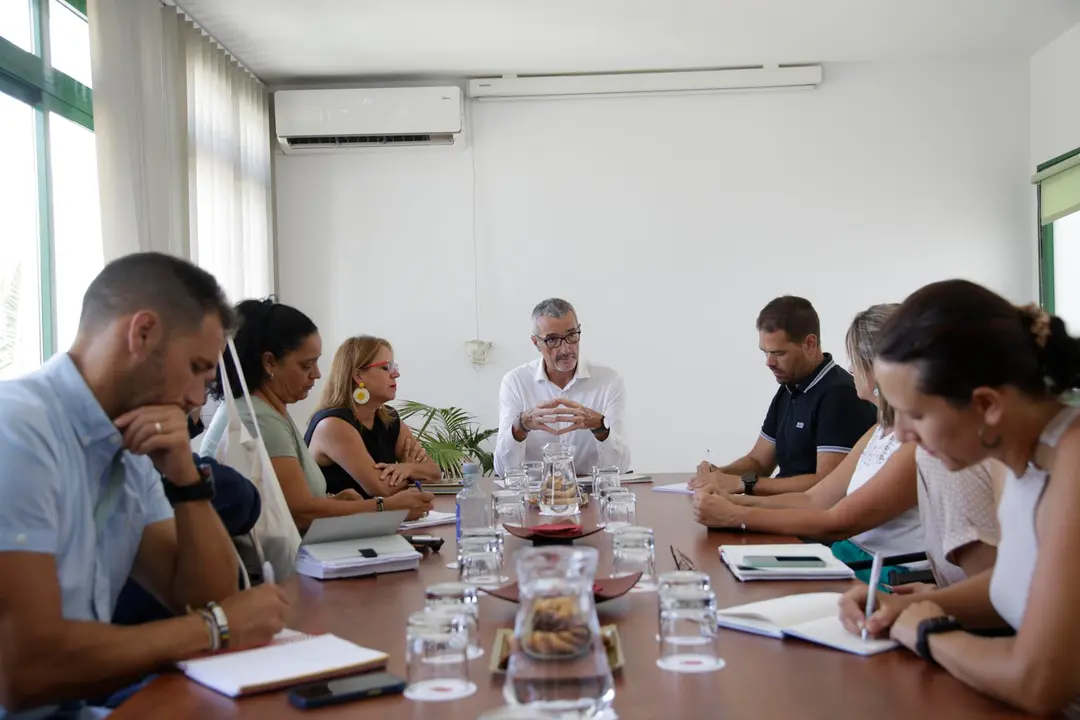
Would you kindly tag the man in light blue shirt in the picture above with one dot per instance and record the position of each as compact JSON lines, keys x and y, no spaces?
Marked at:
{"x":97,"y":483}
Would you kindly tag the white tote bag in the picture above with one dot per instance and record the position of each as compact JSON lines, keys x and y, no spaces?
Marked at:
{"x":275,"y":536}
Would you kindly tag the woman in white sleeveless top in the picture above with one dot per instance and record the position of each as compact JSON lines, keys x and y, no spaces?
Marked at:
{"x":971,"y":377}
{"x":868,"y":503}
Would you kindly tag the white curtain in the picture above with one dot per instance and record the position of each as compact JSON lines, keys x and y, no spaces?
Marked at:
{"x":183,"y":143}
{"x":228,"y":143}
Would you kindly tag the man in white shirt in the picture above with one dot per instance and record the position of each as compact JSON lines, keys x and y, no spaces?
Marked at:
{"x":560,"y":398}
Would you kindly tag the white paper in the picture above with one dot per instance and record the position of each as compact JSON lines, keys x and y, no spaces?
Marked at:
{"x":682,"y":488}
{"x":433,"y":518}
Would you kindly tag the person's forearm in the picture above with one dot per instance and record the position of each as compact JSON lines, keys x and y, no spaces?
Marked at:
{"x":809,"y":523}
{"x":790,"y":501}
{"x":206,"y":566}
{"x":992,"y":666}
{"x":74,"y":660}
{"x":743,"y":465}
{"x":969,"y":602}
{"x":780,"y":486}
{"x":426,"y":471}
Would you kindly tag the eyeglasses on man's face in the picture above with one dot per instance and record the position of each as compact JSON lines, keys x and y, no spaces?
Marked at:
{"x":553,"y":341}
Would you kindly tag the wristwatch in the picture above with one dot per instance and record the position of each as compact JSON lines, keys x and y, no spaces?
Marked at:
{"x":932,"y":626}
{"x":749,"y":480}
{"x":520,"y":425}
{"x":380,"y":504}
{"x":603,"y":427}
{"x":202,"y":490}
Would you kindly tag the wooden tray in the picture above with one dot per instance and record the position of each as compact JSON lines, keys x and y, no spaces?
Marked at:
{"x":603,"y":588}
{"x":504,"y":638}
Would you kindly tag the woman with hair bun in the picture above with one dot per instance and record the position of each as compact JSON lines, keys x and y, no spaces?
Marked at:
{"x":972,"y":377}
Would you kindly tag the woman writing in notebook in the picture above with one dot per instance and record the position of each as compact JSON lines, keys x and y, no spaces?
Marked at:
{"x":356,"y":437}
{"x":868,"y":503}
{"x":971,"y":377}
{"x":279,"y":349}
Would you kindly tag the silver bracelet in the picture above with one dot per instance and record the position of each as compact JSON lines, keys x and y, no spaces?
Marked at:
{"x":221,"y":621}
{"x":211,"y":629}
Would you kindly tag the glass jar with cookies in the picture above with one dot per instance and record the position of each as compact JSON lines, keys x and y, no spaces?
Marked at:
{"x":559,"y":663}
{"x":559,"y":493}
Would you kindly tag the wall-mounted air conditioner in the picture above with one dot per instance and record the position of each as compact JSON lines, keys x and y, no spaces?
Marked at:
{"x":320,"y":121}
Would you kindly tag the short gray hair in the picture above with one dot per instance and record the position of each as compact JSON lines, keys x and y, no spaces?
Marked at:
{"x":553,"y":308}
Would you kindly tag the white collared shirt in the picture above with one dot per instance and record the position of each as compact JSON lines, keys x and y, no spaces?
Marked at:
{"x":597,"y":387}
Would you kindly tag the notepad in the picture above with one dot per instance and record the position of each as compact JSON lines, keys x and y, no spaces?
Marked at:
{"x":291,"y":659}
{"x":682,"y":488}
{"x":814,"y":617}
{"x":434,"y":517}
{"x":734,"y":557}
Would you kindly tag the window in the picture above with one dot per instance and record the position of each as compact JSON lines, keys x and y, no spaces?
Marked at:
{"x":50,"y":235}
{"x":1066,"y":266}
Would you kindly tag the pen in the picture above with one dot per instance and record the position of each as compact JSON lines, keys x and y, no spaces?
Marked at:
{"x":871,"y":595}
{"x":268,"y":573}
{"x":416,"y":484}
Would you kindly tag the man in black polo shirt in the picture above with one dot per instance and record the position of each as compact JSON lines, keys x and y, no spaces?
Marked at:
{"x":814,"y":420}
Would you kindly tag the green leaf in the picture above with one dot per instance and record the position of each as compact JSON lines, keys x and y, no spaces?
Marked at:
{"x":449,"y":436}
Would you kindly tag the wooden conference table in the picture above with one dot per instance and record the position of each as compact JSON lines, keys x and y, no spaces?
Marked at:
{"x":764,"y":677}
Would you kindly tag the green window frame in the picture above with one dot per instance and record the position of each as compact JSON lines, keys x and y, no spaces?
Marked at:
{"x":30,"y":77}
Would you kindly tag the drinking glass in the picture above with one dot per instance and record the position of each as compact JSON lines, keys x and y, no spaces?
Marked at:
{"x":534,"y":474}
{"x":679,"y":579}
{"x":688,"y":631}
{"x":480,"y":562}
{"x":634,"y":549}
{"x":509,"y":509}
{"x":516,"y":479}
{"x":604,"y":476}
{"x":620,"y":509}
{"x":457,"y":597}
{"x":436,"y":646}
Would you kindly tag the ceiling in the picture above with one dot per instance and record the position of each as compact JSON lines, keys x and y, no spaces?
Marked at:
{"x":288,"y":40}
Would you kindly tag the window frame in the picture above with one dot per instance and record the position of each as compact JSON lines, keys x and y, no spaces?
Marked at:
{"x":30,"y":78}
{"x":1046,"y":240}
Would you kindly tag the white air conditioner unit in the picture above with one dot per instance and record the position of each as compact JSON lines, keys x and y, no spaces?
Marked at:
{"x":623,"y":84}
{"x":320,"y":121}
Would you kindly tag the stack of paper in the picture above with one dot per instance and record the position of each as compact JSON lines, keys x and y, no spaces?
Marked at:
{"x":814,"y":617}
{"x":682,"y":488}
{"x":434,"y":517}
{"x":292,"y":658}
{"x":734,"y":556}
{"x":356,"y":545}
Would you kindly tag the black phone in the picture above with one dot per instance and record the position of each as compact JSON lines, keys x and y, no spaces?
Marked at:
{"x":355,"y":687}
{"x":430,"y":542}
{"x":761,"y":562}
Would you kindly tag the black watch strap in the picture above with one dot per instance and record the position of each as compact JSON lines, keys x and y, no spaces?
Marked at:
{"x":202,"y":490}
{"x":749,"y":480}
{"x":603,"y":427}
{"x":932,"y":626}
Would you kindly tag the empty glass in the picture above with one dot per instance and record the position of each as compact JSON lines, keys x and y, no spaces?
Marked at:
{"x":603,"y":477}
{"x":460,"y":598}
{"x":534,"y":475}
{"x":516,"y":479}
{"x":688,"y":631}
{"x":634,"y":549}
{"x":436,"y":656}
{"x":681,"y":579}
{"x":620,"y":509}
{"x":480,"y":562}
{"x":509,"y":509}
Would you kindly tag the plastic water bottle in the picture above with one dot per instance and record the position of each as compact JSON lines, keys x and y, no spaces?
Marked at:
{"x":473,"y":502}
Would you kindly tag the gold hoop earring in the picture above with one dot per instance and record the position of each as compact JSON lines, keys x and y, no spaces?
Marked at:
{"x":988,"y":444}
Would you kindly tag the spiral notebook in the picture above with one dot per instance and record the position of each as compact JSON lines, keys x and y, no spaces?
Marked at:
{"x":290,"y":659}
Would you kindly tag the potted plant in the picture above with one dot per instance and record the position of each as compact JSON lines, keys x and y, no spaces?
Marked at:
{"x":450,"y":436}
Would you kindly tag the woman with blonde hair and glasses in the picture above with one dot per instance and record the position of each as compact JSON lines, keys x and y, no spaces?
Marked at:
{"x":357,"y":439}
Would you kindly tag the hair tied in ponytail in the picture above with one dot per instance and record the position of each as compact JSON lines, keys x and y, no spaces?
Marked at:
{"x":1040,"y":323}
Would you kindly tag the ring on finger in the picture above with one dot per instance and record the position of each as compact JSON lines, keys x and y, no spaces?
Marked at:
{"x":157,"y":428}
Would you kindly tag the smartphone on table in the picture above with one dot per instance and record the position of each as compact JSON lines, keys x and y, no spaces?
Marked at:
{"x":768,"y":562}
{"x":346,"y":689}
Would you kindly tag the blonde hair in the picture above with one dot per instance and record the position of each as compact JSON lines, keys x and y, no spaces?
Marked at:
{"x":860,"y":347}
{"x":352,"y":355}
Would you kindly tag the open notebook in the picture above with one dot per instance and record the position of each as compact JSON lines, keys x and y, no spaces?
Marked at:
{"x":808,"y":616}
{"x":291,"y":659}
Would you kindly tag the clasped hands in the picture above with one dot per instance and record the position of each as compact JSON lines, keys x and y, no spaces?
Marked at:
{"x":548,"y":415}
{"x":397,"y":474}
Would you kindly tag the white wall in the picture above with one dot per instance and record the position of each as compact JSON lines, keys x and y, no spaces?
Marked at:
{"x":669,"y":222}
{"x":1055,"y":98}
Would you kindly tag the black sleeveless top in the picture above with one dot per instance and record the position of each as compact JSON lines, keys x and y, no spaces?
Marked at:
{"x":380,"y":442}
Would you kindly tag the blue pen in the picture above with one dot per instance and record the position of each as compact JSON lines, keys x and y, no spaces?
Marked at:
{"x":416,"y":484}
